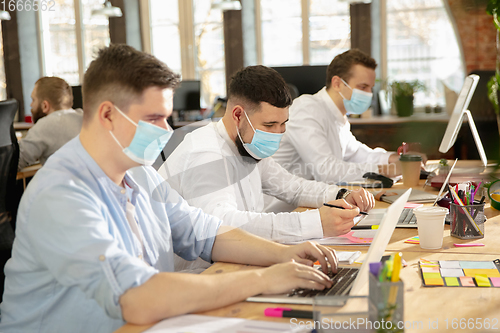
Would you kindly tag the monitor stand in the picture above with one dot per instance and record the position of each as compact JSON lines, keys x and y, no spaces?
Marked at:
{"x":477,"y":139}
{"x":464,"y":174}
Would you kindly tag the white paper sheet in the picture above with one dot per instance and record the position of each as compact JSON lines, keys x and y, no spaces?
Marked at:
{"x":210,"y":324}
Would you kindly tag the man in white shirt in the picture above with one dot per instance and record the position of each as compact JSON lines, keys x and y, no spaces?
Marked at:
{"x":55,"y":121}
{"x":224,"y":167}
{"x":318,"y":143}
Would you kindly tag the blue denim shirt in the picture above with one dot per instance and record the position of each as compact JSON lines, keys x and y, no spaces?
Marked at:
{"x":75,"y":254}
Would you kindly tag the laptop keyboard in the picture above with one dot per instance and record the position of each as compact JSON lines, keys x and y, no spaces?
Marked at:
{"x":342,"y":281}
{"x":407,"y":217}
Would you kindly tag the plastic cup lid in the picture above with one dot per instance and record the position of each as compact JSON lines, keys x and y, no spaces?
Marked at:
{"x":431,"y":210}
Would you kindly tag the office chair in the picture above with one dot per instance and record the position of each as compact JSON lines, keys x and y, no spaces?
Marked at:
{"x":9,"y":200}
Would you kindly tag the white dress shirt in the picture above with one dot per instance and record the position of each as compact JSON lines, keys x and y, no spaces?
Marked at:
{"x":207,"y":170}
{"x":318,"y":143}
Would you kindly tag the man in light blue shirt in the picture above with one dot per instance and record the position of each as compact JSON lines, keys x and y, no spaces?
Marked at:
{"x":94,"y":241}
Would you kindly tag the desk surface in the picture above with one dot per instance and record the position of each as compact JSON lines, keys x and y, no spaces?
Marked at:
{"x":422,"y":304}
{"x":20,"y":126}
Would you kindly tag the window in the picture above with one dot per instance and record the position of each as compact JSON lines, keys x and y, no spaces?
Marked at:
{"x":281,"y":22}
{"x":297,"y":32}
{"x":421,"y":44}
{"x":61,"y":44}
{"x":329,"y":30}
{"x":188,"y":36}
{"x":165,"y":34}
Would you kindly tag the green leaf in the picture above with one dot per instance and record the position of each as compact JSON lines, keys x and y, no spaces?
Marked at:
{"x":493,"y":92}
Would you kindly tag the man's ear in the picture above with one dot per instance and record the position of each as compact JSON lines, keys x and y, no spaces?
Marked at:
{"x":106,"y":115}
{"x":45,"y":107}
{"x":237,"y":114}
{"x":336,"y":83}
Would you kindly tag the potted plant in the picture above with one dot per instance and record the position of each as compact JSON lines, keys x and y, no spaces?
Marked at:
{"x":493,"y":8}
{"x":402,"y":94}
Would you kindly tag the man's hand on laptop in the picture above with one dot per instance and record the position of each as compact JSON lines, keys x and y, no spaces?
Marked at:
{"x":337,"y":221}
{"x":281,"y":278}
{"x":361,"y":198}
{"x":308,"y":253}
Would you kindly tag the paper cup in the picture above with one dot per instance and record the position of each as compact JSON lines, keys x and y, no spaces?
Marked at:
{"x":430,"y":223}
{"x":410,"y":167}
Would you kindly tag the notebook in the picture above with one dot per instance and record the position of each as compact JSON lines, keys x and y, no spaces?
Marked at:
{"x":419,"y":196}
{"x":357,"y":283}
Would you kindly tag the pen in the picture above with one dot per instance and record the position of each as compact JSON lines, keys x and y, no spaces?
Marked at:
{"x":288,"y":313}
{"x":359,"y":227}
{"x":339,"y":207}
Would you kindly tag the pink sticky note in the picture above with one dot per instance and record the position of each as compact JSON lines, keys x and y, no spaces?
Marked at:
{"x":495,"y":281}
{"x":468,"y":244}
{"x":413,"y":205}
{"x":467,"y":281}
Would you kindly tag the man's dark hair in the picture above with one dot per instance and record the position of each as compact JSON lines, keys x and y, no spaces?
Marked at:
{"x":342,"y":64}
{"x":120,"y":74}
{"x":255,"y":84}
{"x":54,"y":90}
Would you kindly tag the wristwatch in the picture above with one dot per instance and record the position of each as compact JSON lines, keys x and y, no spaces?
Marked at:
{"x":343,"y":193}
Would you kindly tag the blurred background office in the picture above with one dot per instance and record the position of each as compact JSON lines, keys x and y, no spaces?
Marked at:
{"x":437,"y":42}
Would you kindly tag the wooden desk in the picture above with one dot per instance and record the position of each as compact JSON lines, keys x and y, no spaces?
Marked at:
{"x":425,"y":305}
{"x":27,"y":172}
{"x":22,"y":126}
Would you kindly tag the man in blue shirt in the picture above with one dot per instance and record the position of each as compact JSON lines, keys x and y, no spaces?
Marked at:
{"x":94,"y":249}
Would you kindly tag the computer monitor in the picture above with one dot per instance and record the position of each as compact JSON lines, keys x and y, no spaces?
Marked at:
{"x":187,"y":96}
{"x":307,"y":79}
{"x":77,"y":97}
{"x":459,"y":112}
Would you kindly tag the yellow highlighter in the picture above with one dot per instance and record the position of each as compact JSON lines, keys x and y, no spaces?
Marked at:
{"x":396,"y":267}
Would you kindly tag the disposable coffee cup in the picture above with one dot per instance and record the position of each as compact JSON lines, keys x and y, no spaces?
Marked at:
{"x":410,"y":165}
{"x":430,"y":224}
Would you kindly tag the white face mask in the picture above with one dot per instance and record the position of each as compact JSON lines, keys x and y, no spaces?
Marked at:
{"x":148,"y":142}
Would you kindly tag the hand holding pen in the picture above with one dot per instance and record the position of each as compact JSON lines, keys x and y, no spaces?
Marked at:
{"x":337,"y":221}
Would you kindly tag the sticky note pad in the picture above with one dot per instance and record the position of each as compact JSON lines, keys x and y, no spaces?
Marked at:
{"x":450,"y":264}
{"x":487,"y":272}
{"x":431,"y":275}
{"x":467,"y":281}
{"x":451,"y":272}
{"x":482,"y":281}
{"x":495,"y":281}
{"x":434,"y":282}
{"x":477,"y":265}
{"x":430,"y":269}
{"x":451,"y":282}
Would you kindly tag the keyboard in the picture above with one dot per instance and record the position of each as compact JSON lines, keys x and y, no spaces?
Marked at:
{"x":407,"y":219}
{"x":342,"y":283}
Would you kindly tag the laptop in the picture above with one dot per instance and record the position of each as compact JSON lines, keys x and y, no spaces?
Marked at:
{"x":359,"y":278}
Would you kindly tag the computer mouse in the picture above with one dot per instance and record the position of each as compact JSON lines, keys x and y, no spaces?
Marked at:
{"x":386,"y":182}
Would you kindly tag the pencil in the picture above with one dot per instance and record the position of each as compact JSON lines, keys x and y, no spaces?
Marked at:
{"x":340,"y":207}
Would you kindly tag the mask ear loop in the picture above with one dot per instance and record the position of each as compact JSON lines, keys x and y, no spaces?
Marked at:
{"x":346,"y":86}
{"x":126,"y":117}
{"x":238,"y":130}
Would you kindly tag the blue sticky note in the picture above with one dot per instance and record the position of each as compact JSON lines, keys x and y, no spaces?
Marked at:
{"x":477,"y":265}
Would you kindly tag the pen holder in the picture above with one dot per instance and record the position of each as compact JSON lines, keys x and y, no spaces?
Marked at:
{"x":387,"y":303}
{"x":467,"y":222}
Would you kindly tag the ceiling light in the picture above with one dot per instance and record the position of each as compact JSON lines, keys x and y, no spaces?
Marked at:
{"x":108,"y":10}
{"x":4,"y":15}
{"x":227,"y":5}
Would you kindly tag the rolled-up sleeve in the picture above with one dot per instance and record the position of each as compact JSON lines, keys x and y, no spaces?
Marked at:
{"x":71,"y":237}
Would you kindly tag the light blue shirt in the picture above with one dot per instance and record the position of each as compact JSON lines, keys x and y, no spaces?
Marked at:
{"x":75,"y":254}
